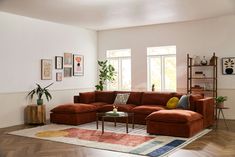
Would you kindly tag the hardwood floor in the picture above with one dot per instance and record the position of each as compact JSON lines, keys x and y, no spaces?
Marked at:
{"x":218,"y":143}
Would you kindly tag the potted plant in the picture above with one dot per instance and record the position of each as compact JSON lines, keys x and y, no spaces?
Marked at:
{"x":39,"y":91}
{"x":220,"y":101}
{"x":107,"y":73}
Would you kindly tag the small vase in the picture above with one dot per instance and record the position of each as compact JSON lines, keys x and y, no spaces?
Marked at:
{"x":114,"y":110}
{"x":196,"y":60}
{"x":220,"y":105}
{"x":204,"y":61}
{"x":39,"y":101}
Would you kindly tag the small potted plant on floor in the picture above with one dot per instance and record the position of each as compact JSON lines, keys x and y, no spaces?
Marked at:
{"x":39,"y":91}
{"x":220,"y":101}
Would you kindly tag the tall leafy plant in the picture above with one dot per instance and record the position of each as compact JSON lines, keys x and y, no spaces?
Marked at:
{"x":107,"y":73}
{"x":40,"y":91}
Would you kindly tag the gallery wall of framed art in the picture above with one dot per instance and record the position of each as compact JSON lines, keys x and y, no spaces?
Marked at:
{"x":66,"y":66}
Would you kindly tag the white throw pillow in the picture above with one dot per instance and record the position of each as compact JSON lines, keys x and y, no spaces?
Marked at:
{"x":121,"y":98}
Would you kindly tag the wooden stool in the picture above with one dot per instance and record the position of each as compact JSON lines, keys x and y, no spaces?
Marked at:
{"x":221,"y":111}
{"x":36,"y":114}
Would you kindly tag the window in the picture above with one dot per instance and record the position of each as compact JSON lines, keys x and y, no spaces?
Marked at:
{"x":121,"y":61}
{"x":162,"y":68}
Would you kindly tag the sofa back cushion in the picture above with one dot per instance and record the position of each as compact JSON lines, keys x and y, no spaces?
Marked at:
{"x":105,"y":96}
{"x":134,"y":97}
{"x":192,"y":100}
{"x":87,"y":97}
{"x":156,"y":98}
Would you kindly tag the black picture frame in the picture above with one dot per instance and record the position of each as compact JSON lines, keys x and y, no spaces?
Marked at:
{"x":228,"y":66}
{"x":58,"y":62}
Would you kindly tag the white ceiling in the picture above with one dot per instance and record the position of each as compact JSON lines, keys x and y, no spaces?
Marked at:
{"x":110,"y":14}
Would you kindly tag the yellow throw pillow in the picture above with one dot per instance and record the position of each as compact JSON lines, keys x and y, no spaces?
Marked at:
{"x":172,"y":103}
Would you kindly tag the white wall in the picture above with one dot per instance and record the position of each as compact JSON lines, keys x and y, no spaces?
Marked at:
{"x":23,"y":42}
{"x":197,"y":38}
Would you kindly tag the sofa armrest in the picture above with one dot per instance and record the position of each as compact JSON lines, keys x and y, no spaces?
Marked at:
{"x":205,"y":107}
{"x":76,"y":99}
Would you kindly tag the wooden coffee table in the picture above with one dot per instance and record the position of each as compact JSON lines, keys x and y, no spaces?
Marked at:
{"x":104,"y":115}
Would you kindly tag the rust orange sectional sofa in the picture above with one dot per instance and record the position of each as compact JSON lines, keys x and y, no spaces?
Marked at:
{"x":148,"y":107}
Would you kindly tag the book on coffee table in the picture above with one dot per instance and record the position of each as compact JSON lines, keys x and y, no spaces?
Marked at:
{"x":111,"y":113}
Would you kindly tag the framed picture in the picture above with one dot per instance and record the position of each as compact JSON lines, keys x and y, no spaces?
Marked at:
{"x":58,"y":62}
{"x":67,"y":72}
{"x":228,"y":66}
{"x":68,"y":59}
{"x":46,"y":69}
{"x":59,"y":76}
{"x":78,"y":65}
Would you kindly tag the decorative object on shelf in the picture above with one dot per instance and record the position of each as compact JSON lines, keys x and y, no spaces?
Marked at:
{"x":78,"y":65}
{"x":220,"y":101}
{"x":228,"y":65}
{"x":196,"y":60}
{"x":59,"y":76}
{"x":204,"y":61}
{"x":46,"y":69}
{"x":68,"y":59}
{"x":115,"y":109}
{"x":198,"y":74}
{"x":39,"y":91}
{"x":153,"y":87}
{"x":58,"y":62}
{"x":67,"y":72}
{"x":107,"y":73}
{"x":213,"y":60}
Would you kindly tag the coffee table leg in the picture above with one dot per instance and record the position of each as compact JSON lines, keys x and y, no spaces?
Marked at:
{"x":102,"y":125}
{"x":133,"y":123}
{"x":97,"y":122}
{"x":127,"y":124}
{"x":115,"y":121}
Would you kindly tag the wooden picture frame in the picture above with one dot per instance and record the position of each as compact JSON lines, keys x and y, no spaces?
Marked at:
{"x":58,"y":62}
{"x":59,"y":76}
{"x":78,"y":65}
{"x":46,"y":69}
{"x":67,"y":72}
{"x":228,"y":66}
{"x":68,"y":59}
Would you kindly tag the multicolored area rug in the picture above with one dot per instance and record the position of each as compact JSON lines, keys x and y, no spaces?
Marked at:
{"x":137,"y":141}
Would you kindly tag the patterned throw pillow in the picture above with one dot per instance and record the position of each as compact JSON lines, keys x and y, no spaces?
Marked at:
{"x":121,"y":98}
{"x":184,"y":102}
{"x":172,"y":103}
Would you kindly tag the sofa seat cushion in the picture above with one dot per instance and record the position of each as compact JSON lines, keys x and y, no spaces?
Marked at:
{"x":98,"y":104}
{"x":74,"y":108}
{"x":123,"y":108}
{"x":174,"y":116}
{"x":147,"y":109}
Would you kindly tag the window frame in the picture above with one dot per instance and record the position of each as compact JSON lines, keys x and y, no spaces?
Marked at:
{"x":162,"y":64}
{"x":120,"y":74}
